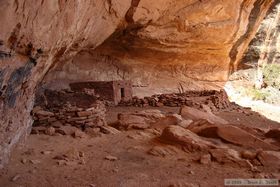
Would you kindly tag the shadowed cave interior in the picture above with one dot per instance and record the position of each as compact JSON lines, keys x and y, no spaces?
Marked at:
{"x":139,"y":93}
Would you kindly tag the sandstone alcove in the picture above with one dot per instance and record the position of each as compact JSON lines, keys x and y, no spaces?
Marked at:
{"x":262,"y":57}
{"x":130,"y":88}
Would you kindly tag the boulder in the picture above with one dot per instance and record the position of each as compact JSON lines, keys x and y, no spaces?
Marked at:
{"x":205,"y":159}
{"x":50,"y":131}
{"x":240,"y":137}
{"x":171,"y":119}
{"x":151,"y":115}
{"x":137,"y":120}
{"x":228,"y":156}
{"x":109,"y":130}
{"x":194,"y":114}
{"x":269,"y":159}
{"x":273,"y":133}
{"x":204,"y":128}
{"x":185,"y":123}
{"x":250,"y":155}
{"x":130,"y":121}
{"x":79,"y":134}
{"x":229,"y":133}
{"x":93,"y":132}
{"x":190,"y":141}
{"x":66,"y":130}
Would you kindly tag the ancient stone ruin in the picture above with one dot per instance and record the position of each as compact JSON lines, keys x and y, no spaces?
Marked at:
{"x":131,"y":93}
{"x":111,"y":91}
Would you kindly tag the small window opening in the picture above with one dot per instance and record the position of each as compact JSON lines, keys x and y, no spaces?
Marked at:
{"x":122,"y":93}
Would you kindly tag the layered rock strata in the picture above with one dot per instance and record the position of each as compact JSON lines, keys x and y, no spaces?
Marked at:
{"x":36,"y":35}
{"x":169,"y":44}
{"x":155,"y":44}
{"x":258,"y":43}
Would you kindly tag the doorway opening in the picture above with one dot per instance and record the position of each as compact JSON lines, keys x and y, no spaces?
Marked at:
{"x":122,"y":93}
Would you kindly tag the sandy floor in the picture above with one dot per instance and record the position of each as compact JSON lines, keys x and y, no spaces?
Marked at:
{"x":120,"y":160}
{"x":235,"y":95}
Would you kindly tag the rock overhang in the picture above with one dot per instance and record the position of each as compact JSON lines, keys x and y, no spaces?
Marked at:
{"x":165,"y":42}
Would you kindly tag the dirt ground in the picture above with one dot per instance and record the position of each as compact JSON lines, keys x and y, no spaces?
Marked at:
{"x":122,"y":160}
{"x":240,"y":89}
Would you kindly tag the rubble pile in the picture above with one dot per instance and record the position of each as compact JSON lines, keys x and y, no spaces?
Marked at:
{"x":137,"y":120}
{"x":216,"y":100}
{"x":68,"y":113}
{"x":221,"y":101}
{"x":172,"y":100}
{"x":217,"y":141}
{"x":196,"y":129}
{"x":79,"y":117}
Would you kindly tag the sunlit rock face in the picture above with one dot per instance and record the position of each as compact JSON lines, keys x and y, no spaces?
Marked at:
{"x":169,"y":43}
{"x":252,"y":55}
{"x":156,"y":44}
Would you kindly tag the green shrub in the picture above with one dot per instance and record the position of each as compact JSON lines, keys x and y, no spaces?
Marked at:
{"x":257,"y":94}
{"x":271,"y":74}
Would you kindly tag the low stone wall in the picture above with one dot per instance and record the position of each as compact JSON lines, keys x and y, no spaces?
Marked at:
{"x":66,"y":112}
{"x":215,"y":100}
{"x":75,"y":116}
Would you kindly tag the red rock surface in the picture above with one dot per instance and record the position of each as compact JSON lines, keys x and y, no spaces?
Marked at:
{"x":165,"y":154}
{"x":157,"y":43}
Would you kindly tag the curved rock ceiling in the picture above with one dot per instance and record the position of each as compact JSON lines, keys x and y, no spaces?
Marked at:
{"x":201,"y":39}
{"x":194,"y":44}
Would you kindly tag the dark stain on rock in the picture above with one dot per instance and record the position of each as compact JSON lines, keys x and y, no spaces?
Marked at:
{"x":131,"y":11}
{"x":2,"y":74}
{"x":4,"y":54}
{"x":11,"y":100}
{"x":252,"y":22}
{"x":33,"y":61}
{"x":13,"y":39}
{"x":60,"y":52}
{"x":253,"y":53}
{"x":16,"y":79}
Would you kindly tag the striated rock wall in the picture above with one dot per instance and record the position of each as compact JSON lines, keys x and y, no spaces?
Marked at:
{"x":36,"y":35}
{"x":252,"y":55}
{"x":168,"y":43}
{"x":153,"y":43}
